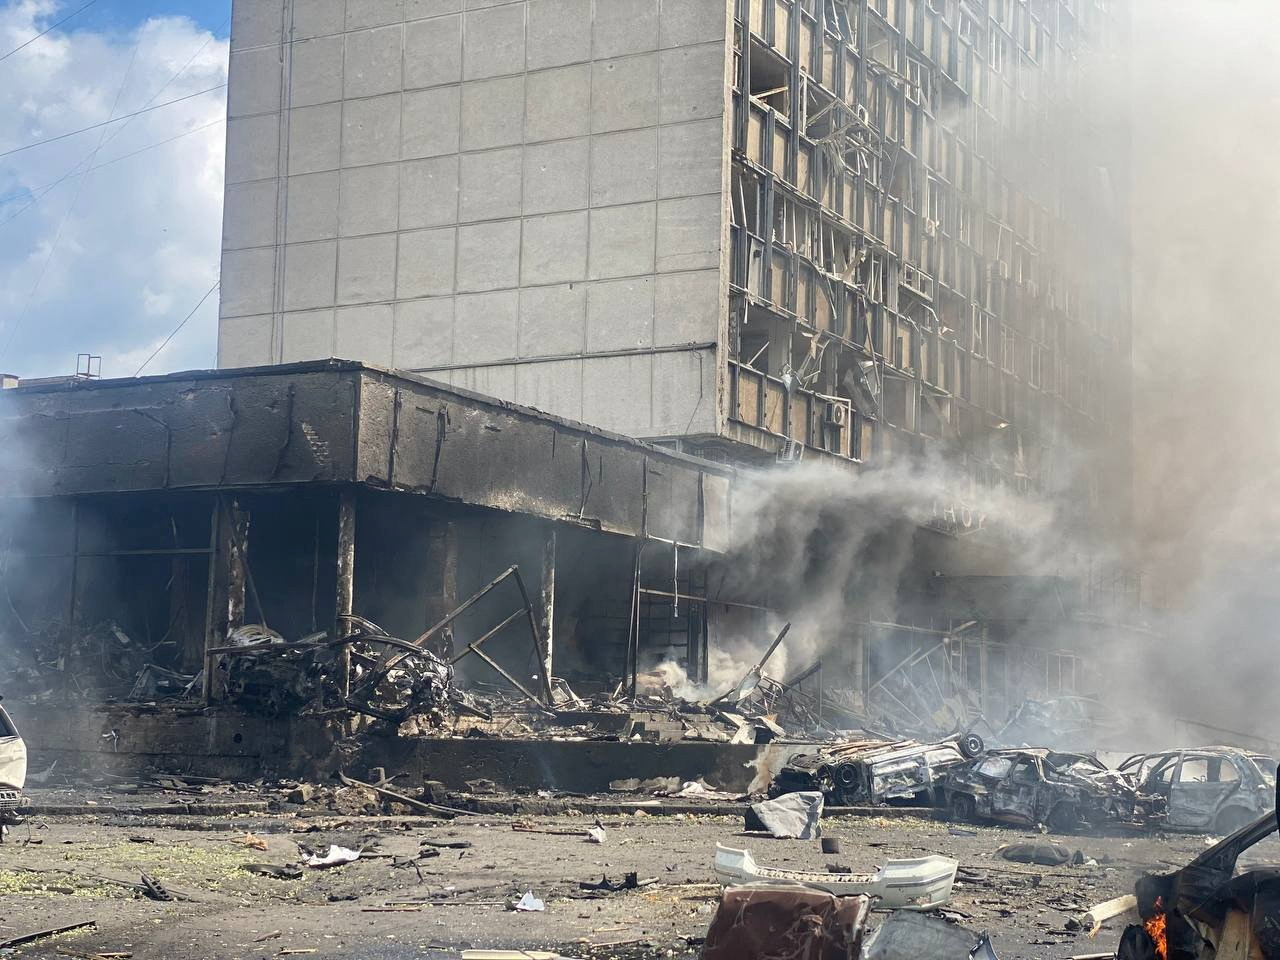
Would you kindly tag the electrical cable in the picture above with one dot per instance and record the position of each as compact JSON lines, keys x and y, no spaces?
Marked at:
{"x":179,"y":327}
{"x":38,"y":193}
{"x":52,"y":26}
{"x":123,"y":116}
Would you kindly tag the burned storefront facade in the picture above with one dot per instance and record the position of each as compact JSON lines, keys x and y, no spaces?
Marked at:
{"x":158,"y":530}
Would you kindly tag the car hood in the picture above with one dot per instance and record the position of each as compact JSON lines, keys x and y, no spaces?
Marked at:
{"x":13,"y":762}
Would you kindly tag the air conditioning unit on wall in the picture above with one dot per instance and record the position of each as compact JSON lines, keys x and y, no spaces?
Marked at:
{"x":791,"y":451}
{"x":835,"y":414}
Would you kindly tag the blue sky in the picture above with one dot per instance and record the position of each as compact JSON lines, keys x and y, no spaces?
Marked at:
{"x":109,"y":238}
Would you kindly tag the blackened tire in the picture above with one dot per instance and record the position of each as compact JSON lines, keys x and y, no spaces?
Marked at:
{"x":972,"y":746}
{"x":1230,"y":820}
{"x":962,"y":807}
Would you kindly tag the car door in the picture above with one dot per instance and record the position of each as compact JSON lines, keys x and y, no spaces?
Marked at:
{"x":1199,"y":790}
{"x":1015,"y":796}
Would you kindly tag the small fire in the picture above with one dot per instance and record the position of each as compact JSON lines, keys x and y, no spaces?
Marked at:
{"x":1156,"y":930}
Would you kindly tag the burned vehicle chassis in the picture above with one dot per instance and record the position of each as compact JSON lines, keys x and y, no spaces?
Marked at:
{"x":861,"y":772}
{"x":1063,"y":791}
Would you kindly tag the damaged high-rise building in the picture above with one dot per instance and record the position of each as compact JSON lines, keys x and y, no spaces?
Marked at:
{"x":830,"y":228}
{"x":685,"y":237}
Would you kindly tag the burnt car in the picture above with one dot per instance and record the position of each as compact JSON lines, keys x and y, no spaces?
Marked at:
{"x":1207,"y":788}
{"x":13,"y":769}
{"x":857,"y":772}
{"x":1064,"y":791}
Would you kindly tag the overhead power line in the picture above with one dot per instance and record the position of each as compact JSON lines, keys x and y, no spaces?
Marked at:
{"x":52,"y":26}
{"x":95,"y":126}
{"x":38,"y":193}
{"x":179,"y":327}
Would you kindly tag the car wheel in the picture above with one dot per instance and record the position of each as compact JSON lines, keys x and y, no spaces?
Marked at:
{"x":1231,"y":819}
{"x":962,"y":807}
{"x":971,"y":746}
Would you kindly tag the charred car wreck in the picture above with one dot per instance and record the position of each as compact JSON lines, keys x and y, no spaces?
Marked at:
{"x":871,"y":771}
{"x":13,"y":769}
{"x":1063,"y":791}
{"x":1208,"y":788}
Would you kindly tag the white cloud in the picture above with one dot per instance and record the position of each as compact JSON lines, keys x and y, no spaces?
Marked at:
{"x":117,"y":256}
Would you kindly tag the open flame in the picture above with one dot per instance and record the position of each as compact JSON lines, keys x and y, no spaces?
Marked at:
{"x":1156,"y":929}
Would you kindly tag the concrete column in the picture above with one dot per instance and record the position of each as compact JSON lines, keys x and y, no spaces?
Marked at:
{"x":548,"y":598}
{"x":345,"y":600}
{"x":224,"y":607}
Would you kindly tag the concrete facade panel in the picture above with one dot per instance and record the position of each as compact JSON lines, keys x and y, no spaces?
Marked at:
{"x":373,"y":61}
{"x":316,"y":73}
{"x":692,"y":82}
{"x":620,"y":314}
{"x":556,"y":176}
{"x":689,"y":158}
{"x":559,"y":32}
{"x":484,"y":327}
{"x":552,"y":320}
{"x":250,"y":213}
{"x":315,"y":138}
{"x":423,"y":333}
{"x":307,"y":335}
{"x":254,"y":81}
{"x":688,"y":233}
{"x":492,"y":112}
{"x":366,"y":268}
{"x":558,"y":103}
{"x":373,"y":13}
{"x":493,"y":42}
{"x":686,"y":22}
{"x":247,"y":275}
{"x":244,"y":341}
{"x":553,"y":248}
{"x":310,"y":274}
{"x":622,"y":388}
{"x":624,"y":26}
{"x":490,"y":185}
{"x":254,"y":23}
{"x":622,"y":240}
{"x":371,"y":130}
{"x":428,"y":192}
{"x":312,"y":206}
{"x":426,"y":262}
{"x":686,"y":307}
{"x":488,"y":256}
{"x":365,"y":329}
{"x":684,"y":393}
{"x":430,"y":127}
{"x":253,"y":148}
{"x":624,"y":167}
{"x":318,"y":18}
{"x":370,"y":200}
{"x":432,"y":52}
{"x":624,"y":93}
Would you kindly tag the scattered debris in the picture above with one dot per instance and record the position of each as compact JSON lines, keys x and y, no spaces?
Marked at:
{"x":792,"y":816}
{"x":919,"y":884}
{"x":1042,"y":852}
{"x":1092,"y":920}
{"x":763,"y":921}
{"x":336,"y":856}
{"x":47,"y":932}
{"x":917,"y":936}
{"x":529,"y":904}
{"x":288,"y":871}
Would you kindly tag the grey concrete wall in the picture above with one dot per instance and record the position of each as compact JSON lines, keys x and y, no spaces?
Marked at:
{"x":523,"y":198}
